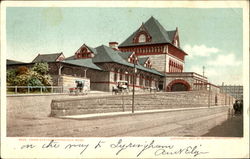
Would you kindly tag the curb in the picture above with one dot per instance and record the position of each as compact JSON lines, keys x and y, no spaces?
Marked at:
{"x":114,"y":114}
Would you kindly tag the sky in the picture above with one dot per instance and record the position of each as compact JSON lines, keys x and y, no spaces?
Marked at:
{"x":212,"y":37}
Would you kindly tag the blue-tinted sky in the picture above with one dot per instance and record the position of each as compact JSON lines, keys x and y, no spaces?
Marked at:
{"x":211,"y":37}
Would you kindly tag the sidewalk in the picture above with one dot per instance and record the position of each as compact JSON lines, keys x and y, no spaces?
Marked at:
{"x":231,"y":127}
{"x":113,"y":114}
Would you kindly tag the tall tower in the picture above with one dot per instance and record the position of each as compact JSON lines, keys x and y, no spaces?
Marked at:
{"x":163,"y":47}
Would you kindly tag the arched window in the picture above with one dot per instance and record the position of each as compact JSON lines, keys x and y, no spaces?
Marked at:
{"x":121,"y":75}
{"x":142,"y":38}
{"x":115,"y":74}
{"x":141,"y":80}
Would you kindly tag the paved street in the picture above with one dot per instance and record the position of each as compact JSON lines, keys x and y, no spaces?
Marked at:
{"x":29,"y":119}
{"x":229,"y":128}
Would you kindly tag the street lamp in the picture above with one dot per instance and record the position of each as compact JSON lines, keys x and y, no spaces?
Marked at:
{"x":133,"y":94}
{"x":123,"y":107}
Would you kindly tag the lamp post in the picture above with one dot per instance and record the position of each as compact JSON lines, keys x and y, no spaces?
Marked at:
{"x":209,"y":95}
{"x":123,"y":106}
{"x":133,"y":93}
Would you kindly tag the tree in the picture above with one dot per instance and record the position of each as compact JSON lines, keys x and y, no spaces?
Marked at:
{"x":21,"y":80}
{"x":22,"y":70}
{"x":41,"y":68}
{"x":23,"y":76}
{"x":33,"y":81}
{"x":45,"y":80}
{"x":11,"y":75}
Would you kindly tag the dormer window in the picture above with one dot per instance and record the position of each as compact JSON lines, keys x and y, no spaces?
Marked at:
{"x":83,"y":53}
{"x":148,"y":64}
{"x":142,"y":38}
{"x":133,"y":59}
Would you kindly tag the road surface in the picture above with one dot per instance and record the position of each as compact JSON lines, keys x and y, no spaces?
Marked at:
{"x":32,"y":120}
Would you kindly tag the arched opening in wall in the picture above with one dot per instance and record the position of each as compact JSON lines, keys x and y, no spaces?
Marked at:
{"x":178,"y":85}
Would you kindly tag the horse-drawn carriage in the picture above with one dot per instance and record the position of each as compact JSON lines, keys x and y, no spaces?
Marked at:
{"x":78,"y":89}
{"x":121,"y":87}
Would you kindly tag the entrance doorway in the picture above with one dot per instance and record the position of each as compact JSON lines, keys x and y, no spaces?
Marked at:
{"x":178,"y":85}
{"x":160,"y":85}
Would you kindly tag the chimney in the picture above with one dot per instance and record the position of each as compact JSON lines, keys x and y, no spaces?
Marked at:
{"x":113,"y":45}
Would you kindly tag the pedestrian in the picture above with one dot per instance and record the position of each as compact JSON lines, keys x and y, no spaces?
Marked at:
{"x":241,"y":107}
{"x":236,"y":107}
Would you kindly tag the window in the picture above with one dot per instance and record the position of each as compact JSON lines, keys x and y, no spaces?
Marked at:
{"x":120,"y":75}
{"x":146,"y":82}
{"x":135,"y":79}
{"x":142,"y":38}
{"x":156,"y":84}
{"x":115,"y":77}
{"x":131,"y":79}
{"x":141,"y":80}
{"x":126,"y":77}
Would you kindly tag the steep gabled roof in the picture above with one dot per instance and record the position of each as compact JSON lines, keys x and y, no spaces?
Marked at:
{"x":125,"y":55}
{"x":83,"y":62}
{"x":107,"y":54}
{"x":13,"y":62}
{"x":90,"y":48}
{"x":46,"y":57}
{"x":70,"y":58}
{"x":142,"y":60}
{"x":155,"y":30}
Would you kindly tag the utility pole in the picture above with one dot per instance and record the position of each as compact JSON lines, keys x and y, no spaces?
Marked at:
{"x":203,"y":71}
{"x":133,"y":95}
{"x":222,"y":87}
{"x":209,"y":96}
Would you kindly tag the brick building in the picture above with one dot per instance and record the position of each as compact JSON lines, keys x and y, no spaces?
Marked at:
{"x":163,"y":47}
{"x":234,"y":90}
{"x":103,"y":65}
{"x":153,"y":51}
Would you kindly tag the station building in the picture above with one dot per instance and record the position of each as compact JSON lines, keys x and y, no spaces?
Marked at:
{"x":151,"y":50}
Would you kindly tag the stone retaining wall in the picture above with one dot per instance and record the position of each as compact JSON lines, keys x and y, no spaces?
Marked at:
{"x":119,"y":103}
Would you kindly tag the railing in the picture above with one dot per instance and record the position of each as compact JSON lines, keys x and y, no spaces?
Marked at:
{"x":34,"y":89}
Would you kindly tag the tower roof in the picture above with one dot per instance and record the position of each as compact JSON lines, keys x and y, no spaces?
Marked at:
{"x":155,"y":30}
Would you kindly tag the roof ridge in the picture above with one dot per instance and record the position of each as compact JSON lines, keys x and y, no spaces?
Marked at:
{"x":50,"y":54}
{"x":112,"y":52}
{"x":158,"y":33}
{"x":161,"y":28}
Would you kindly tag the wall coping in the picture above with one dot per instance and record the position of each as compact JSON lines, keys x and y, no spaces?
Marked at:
{"x":124,"y":96}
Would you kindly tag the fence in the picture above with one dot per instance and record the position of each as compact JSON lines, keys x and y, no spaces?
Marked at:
{"x":34,"y":89}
